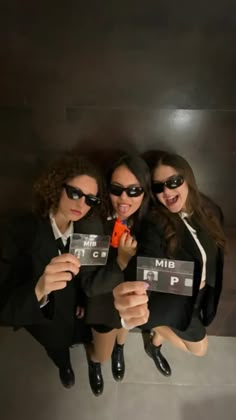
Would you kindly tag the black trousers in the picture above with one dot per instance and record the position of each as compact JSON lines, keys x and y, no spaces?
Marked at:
{"x":61,"y":357}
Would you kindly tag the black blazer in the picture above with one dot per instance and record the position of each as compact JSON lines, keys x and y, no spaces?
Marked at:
{"x":27,"y":247}
{"x":100,"y":306}
{"x":173,"y":310}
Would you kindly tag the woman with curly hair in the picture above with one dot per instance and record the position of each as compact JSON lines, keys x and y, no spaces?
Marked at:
{"x":38,"y":277}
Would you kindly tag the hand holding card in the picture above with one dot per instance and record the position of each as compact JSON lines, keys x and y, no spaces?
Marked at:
{"x":118,"y":230}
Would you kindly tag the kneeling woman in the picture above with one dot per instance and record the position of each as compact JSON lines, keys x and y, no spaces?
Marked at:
{"x":184,"y":225}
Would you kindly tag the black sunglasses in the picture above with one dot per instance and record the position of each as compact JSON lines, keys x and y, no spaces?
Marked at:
{"x":131,"y":191}
{"x":173,"y":182}
{"x":75,"y":194}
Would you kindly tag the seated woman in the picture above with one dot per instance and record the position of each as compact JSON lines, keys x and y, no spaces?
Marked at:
{"x":38,"y":284}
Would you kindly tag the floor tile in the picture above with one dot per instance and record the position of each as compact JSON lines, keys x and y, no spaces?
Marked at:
{"x":30,"y":388}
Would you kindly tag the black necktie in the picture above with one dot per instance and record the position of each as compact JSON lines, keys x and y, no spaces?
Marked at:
{"x":64,"y":248}
{"x":61,"y":247}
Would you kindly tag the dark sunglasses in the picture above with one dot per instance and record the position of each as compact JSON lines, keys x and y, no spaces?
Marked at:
{"x":131,"y":191}
{"x":173,"y":182}
{"x":75,"y":194}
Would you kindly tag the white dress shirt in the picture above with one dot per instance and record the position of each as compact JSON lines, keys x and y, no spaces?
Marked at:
{"x":193,"y":232}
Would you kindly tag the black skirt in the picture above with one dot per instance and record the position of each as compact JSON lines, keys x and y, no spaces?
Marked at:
{"x":196,"y":330}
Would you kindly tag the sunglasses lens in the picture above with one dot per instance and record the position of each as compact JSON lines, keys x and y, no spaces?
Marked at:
{"x":175,"y":182}
{"x":92,"y":200}
{"x":73,"y":193}
{"x":115,"y":190}
{"x":172,"y":183}
{"x":134,"y":191}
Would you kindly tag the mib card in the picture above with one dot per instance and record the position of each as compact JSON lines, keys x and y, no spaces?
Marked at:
{"x":90,"y":249}
{"x":166,"y":276}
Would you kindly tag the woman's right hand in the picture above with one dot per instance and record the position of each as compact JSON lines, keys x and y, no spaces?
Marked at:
{"x":57,"y":273}
{"x":131,"y":301}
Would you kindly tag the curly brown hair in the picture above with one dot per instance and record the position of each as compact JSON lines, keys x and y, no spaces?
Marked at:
{"x":201,"y":208}
{"x":48,"y":188}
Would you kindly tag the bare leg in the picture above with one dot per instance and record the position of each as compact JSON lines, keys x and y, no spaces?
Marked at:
{"x":101,"y":350}
{"x":103,"y":345}
{"x":121,"y":336}
{"x":198,"y":348}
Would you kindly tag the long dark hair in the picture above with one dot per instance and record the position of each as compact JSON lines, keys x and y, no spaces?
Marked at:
{"x":140,"y":169}
{"x":48,"y":188}
{"x":199,"y":206}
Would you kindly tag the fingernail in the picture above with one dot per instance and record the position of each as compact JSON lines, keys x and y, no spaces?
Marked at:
{"x":146,"y":285}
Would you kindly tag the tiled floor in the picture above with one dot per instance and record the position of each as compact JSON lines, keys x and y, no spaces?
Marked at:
{"x":199,"y":388}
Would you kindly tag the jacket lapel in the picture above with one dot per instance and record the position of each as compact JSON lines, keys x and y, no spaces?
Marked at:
{"x":45,"y":247}
{"x":188,"y":245}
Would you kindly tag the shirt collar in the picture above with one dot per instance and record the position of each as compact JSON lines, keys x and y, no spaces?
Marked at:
{"x":183,"y":215}
{"x":56,"y":231}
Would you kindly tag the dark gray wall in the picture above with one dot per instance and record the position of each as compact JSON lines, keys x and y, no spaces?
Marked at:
{"x":99,"y":74}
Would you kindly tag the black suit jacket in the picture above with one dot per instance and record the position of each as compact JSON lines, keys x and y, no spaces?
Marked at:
{"x":27,"y":247}
{"x":100,"y":306}
{"x":173,"y":310}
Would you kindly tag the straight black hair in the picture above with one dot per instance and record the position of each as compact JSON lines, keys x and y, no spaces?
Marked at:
{"x":140,"y":169}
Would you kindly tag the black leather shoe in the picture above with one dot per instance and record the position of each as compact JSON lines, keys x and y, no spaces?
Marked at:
{"x":118,"y":362}
{"x":67,"y":377}
{"x":161,"y":363}
{"x":95,"y":378}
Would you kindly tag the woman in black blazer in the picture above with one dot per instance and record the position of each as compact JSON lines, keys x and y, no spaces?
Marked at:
{"x":39,"y":286}
{"x":129,"y":190}
{"x":183,"y":225}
